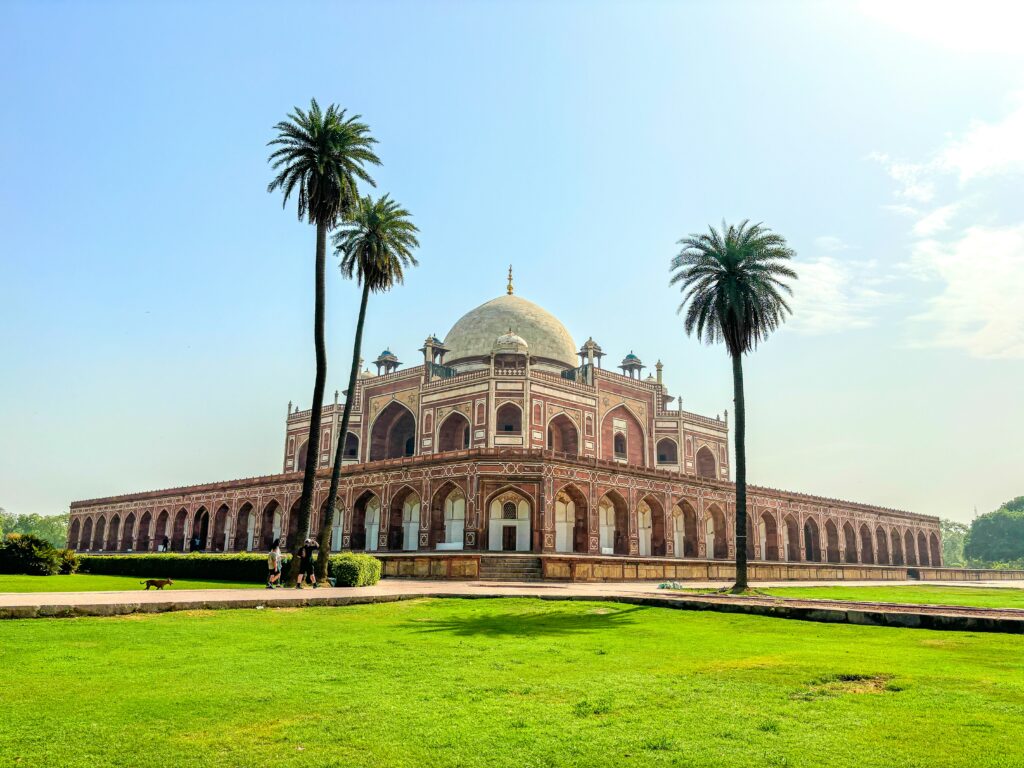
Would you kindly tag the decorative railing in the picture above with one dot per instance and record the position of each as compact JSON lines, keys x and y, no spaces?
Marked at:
{"x":441,"y":371}
{"x":577,"y":374}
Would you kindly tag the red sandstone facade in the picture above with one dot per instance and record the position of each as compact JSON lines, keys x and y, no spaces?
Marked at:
{"x":509,"y":447}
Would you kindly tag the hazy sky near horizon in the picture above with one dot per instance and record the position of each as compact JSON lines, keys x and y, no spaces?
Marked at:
{"x":156,"y":302}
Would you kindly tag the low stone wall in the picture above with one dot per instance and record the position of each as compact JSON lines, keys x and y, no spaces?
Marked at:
{"x":466,"y":565}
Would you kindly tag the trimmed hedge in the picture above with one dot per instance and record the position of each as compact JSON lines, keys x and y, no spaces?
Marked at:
{"x":351,"y":569}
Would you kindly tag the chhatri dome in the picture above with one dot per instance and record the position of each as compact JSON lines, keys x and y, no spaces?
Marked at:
{"x":473,"y":338}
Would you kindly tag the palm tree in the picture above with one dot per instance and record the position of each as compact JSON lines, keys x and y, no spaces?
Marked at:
{"x":733,"y":289}
{"x":375,"y":244}
{"x":320,"y":155}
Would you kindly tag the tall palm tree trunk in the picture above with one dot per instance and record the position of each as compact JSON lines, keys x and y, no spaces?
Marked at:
{"x":339,"y":452}
{"x":741,"y":474}
{"x":313,"y":442}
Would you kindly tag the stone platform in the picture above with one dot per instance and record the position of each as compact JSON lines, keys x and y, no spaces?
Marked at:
{"x":616,"y":568}
{"x":78,"y":604}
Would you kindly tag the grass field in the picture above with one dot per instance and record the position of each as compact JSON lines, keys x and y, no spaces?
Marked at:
{"x":87,"y":582}
{"x":512,"y":682}
{"x":978,"y":597}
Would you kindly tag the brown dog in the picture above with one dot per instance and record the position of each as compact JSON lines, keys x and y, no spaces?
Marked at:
{"x":158,"y":583}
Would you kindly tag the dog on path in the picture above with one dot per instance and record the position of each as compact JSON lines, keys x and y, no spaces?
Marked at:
{"x":158,"y":583}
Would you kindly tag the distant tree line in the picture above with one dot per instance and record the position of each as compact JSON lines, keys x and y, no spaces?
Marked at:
{"x":51,"y":528}
{"x":993,"y":540}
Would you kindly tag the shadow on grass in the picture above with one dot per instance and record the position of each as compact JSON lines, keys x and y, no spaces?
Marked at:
{"x":534,"y":624}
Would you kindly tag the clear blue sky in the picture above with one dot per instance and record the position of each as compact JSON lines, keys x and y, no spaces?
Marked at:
{"x":155,"y":301}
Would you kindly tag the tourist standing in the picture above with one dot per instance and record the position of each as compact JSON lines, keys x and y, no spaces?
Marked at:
{"x":306,"y":555}
{"x":274,"y":565}
{"x":165,"y":544}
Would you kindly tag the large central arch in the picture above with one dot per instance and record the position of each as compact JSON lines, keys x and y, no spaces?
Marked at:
{"x":393,"y":435}
{"x":623,"y":438}
{"x":684,"y":529}
{"x":614,"y":521}
{"x":447,"y":518}
{"x":509,"y":522}
{"x":716,"y":541}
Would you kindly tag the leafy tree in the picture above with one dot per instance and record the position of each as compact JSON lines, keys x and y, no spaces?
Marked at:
{"x":375,"y":245}
{"x":52,"y":528}
{"x":1014,"y":505}
{"x":953,"y":536}
{"x":733,"y":286}
{"x":320,"y":156}
{"x":29,"y":554}
{"x":997,"y":536}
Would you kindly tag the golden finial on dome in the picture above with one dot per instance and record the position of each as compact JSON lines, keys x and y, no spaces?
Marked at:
{"x":509,"y":279}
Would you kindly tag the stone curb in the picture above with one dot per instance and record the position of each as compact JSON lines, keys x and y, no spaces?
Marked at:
{"x":860,"y":616}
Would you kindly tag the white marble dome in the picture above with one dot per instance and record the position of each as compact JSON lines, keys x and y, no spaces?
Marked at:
{"x":473,"y":336}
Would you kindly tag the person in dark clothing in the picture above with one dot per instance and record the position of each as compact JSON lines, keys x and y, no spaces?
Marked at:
{"x":307,"y":555}
{"x":165,"y":544}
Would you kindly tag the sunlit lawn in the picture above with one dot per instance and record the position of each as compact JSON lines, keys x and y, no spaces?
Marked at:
{"x":87,"y":582}
{"x":979,"y":597}
{"x":511,"y":682}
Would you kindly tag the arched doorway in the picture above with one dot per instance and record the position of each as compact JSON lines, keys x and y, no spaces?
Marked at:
{"x":74,"y":534}
{"x":245,"y":524}
{"x":667,"y":451}
{"x":792,"y":539}
{"x":936,"y":549}
{"x":128,"y":534}
{"x":97,"y":534}
{"x":622,"y":437}
{"x":162,"y":534}
{"x":706,"y":463}
{"x":86,"y":541}
{"x":570,"y":520}
{"x":270,"y":525}
{"x":831,"y":541}
{"x":366,"y":522}
{"x":812,"y":541}
{"x":453,"y":434}
{"x":883,"y":546}
{"x":448,"y":518}
{"x":404,"y":521}
{"x":300,"y":461}
{"x":716,"y":542}
{"x":563,"y":436}
{"x":867,"y":550}
{"x":221,"y":541}
{"x":509,"y":527}
{"x":684,"y":529}
{"x":393,"y":434}
{"x":650,"y":528}
{"x":142,"y":541}
{"x":200,"y":530}
{"x":614,"y":524}
{"x":178,"y":530}
{"x":850,"y":542}
{"x":768,"y":536}
{"x":910,"y":549}
{"x":113,"y":530}
{"x":897,"y":547}
{"x":922,"y":548}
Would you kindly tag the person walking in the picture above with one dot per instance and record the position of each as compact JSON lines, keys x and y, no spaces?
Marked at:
{"x":307,"y":554}
{"x":274,"y":565}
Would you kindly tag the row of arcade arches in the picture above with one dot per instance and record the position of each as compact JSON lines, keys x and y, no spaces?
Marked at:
{"x":405,"y":526}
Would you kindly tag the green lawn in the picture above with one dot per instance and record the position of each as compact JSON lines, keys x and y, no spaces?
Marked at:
{"x":512,"y":682}
{"x":979,"y":597}
{"x":87,"y":582}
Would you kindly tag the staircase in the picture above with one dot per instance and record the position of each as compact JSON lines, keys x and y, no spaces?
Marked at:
{"x":509,"y":568}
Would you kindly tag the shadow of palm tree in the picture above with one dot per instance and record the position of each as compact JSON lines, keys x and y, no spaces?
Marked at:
{"x":534,"y":623}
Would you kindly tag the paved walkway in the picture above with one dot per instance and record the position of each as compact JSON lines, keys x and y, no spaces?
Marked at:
{"x":67,"y":604}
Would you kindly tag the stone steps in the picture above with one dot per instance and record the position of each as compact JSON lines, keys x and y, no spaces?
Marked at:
{"x":499,"y":568}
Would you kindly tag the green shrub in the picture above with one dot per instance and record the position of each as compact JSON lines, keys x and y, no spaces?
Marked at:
{"x":354,"y":569}
{"x":239,"y":566}
{"x":28,"y":554}
{"x":349,"y":569}
{"x":68,"y":561}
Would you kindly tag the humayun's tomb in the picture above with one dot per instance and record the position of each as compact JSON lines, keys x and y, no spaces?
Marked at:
{"x":507,"y":438}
